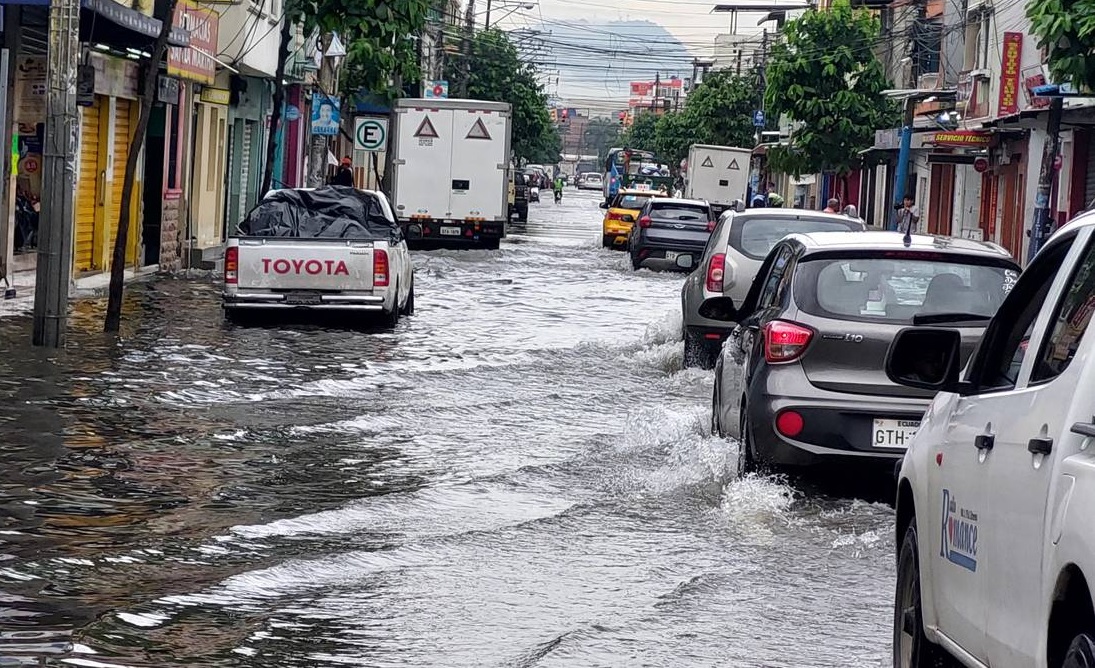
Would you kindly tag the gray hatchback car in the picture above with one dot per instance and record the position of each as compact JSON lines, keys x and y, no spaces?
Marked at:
{"x":733,"y":255}
{"x":802,"y":378}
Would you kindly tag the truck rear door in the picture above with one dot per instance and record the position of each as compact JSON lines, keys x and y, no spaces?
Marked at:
{"x":478,"y":166}
{"x":321,"y":265}
{"x":422,"y":162}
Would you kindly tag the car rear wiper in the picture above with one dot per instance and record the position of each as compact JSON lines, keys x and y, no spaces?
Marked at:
{"x":937,"y":318}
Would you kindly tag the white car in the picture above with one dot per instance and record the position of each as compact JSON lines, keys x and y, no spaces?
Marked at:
{"x":323,"y":249}
{"x":591,"y":181}
{"x":996,"y":543}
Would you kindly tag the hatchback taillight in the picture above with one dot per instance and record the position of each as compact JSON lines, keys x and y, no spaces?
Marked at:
{"x":785,"y":341}
{"x":645,"y":221}
{"x":612,"y":215}
{"x":232,"y":265}
{"x":716,"y":269}
{"x":380,"y":269}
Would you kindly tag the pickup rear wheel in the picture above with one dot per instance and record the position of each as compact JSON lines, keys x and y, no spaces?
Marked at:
{"x":1081,"y":653}
{"x":408,"y":308}
{"x":911,"y":648}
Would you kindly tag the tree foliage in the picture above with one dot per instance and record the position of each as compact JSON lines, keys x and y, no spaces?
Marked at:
{"x":824,"y":75}
{"x":497,"y":74}
{"x":379,"y":36}
{"x":719,"y":111}
{"x":601,"y":135}
{"x":1066,"y":28}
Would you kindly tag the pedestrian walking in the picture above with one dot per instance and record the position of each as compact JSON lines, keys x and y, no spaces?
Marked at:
{"x":833,"y":206}
{"x":908,"y":216}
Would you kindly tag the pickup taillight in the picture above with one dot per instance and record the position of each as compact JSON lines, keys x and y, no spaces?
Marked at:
{"x":380,"y":269}
{"x":232,"y":265}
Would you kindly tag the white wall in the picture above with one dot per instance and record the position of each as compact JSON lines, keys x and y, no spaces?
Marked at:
{"x":248,"y":36}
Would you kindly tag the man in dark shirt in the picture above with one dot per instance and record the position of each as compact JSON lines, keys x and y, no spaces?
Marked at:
{"x":345,"y":175}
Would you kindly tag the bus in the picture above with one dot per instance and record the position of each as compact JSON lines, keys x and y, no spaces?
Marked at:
{"x":631,"y":168}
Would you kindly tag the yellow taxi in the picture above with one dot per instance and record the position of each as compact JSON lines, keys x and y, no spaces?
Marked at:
{"x":621,"y":214}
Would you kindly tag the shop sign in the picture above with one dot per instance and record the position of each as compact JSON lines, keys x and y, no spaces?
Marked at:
{"x":1011,"y":59}
{"x":30,"y":83}
{"x":85,"y":86}
{"x":981,"y":165}
{"x":887,"y":139}
{"x":216,"y":95}
{"x":1030,"y":83}
{"x":962,"y":138}
{"x":168,"y":90}
{"x":196,"y":61}
{"x":116,"y":77}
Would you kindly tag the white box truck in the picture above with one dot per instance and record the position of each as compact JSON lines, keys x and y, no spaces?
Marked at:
{"x":718,"y":174}
{"x":450,"y":184}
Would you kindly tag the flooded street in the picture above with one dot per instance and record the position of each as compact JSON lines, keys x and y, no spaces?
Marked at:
{"x":519,"y":475}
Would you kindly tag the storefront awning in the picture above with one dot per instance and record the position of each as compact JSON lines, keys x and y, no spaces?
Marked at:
{"x":140,"y":27}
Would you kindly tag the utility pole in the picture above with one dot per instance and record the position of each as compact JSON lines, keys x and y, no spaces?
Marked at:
{"x":469,"y":32}
{"x":328,"y":88}
{"x":59,"y":177}
{"x":1043,"y":208}
{"x":486,"y":24}
{"x":903,"y":155}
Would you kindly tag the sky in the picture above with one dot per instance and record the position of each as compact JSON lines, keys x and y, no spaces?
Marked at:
{"x":690,"y":22}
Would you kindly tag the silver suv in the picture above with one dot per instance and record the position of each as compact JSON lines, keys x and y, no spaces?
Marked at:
{"x":734,"y":253}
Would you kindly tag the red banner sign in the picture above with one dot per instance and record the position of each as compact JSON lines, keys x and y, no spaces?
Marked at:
{"x":641,"y":88}
{"x":1032,"y":82}
{"x":195,"y":62}
{"x":1011,"y":60}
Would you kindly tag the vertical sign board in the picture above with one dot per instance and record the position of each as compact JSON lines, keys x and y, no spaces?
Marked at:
{"x":1011,"y":59}
{"x":370,"y":134}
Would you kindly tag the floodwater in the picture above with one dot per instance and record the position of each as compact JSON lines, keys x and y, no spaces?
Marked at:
{"x":519,"y":475}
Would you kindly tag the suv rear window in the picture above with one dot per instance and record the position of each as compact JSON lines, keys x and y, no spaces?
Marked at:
{"x":897,"y":289}
{"x":679,"y":212}
{"x":755,"y":236}
{"x":630,"y":202}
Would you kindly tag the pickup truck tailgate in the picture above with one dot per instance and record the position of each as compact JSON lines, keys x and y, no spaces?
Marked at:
{"x":305,"y":264}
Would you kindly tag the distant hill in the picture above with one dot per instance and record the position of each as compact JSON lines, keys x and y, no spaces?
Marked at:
{"x":599,"y":59}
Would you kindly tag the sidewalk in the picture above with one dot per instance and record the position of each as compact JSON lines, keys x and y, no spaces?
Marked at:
{"x":88,"y":287}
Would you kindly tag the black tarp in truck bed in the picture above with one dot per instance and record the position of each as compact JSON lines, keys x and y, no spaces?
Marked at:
{"x":330,"y":212}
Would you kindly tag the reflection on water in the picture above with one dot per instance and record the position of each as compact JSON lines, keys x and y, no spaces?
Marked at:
{"x":518,"y":475}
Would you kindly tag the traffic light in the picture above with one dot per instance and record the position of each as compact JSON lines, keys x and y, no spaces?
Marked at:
{"x":623,"y":118}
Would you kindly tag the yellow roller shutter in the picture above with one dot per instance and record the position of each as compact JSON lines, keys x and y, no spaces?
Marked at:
{"x":87,"y":184}
{"x":122,"y":133}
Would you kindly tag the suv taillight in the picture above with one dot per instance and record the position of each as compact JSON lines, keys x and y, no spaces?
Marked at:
{"x":785,"y":341}
{"x":716,"y":268}
{"x":232,"y":265}
{"x":380,"y":269}
{"x":645,"y":221}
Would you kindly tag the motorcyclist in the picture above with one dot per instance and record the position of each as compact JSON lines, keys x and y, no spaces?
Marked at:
{"x":557,"y":186}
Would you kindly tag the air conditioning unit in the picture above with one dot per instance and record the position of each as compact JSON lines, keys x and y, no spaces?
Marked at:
{"x":928,"y":81}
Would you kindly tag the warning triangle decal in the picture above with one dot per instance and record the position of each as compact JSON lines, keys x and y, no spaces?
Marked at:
{"x":734,"y":164}
{"x":425,"y":129}
{"x":707,"y":162}
{"x":478,"y":131}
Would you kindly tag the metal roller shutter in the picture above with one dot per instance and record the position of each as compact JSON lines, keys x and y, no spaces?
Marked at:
{"x":121,"y":151}
{"x":1089,"y":179}
{"x":245,"y":169}
{"x":87,"y":186}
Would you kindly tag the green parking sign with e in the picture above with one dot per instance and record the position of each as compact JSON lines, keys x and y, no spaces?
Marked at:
{"x":371,"y":134}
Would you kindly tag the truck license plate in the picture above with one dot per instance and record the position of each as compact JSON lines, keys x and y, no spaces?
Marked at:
{"x":303,"y":298}
{"x":450,"y":231}
{"x":894,"y":433}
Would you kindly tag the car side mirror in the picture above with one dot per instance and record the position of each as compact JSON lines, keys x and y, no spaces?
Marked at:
{"x":719,"y":308}
{"x":603,"y":205}
{"x":926,"y":358}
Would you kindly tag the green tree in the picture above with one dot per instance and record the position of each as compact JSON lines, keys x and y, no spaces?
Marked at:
{"x":674,"y":133}
{"x":825,"y":75}
{"x":722,"y":108}
{"x":497,"y":74}
{"x":601,"y":135}
{"x":1066,"y":28}
{"x":642,"y":135}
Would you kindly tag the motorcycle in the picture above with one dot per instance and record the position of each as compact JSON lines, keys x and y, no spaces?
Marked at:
{"x":558,"y":196}
{"x":534,"y":194}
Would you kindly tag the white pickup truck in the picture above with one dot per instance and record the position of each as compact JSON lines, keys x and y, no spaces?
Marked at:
{"x":996,"y":493}
{"x":326,"y":249}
